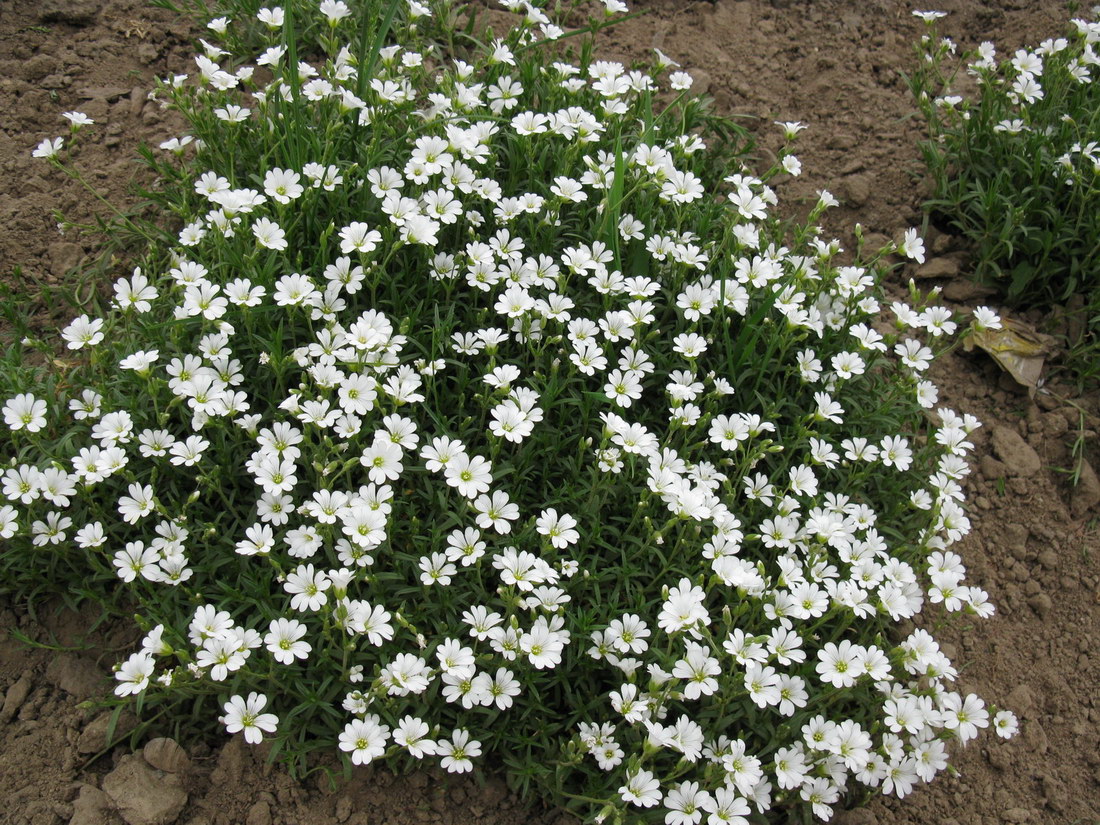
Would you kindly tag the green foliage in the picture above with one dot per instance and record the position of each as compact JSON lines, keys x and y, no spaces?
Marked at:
{"x":1016,"y":163}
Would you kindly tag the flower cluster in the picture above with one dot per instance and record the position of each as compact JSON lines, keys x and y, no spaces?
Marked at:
{"x":467,"y":398}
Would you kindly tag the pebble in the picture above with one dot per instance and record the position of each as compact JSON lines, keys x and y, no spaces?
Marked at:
{"x":1015,"y":539}
{"x":147,"y":53}
{"x":1019,"y":457}
{"x":71,"y":12}
{"x":938,"y":268}
{"x":64,"y":257}
{"x":1021,"y":699}
{"x":77,"y":676}
{"x":343,"y":809}
{"x":259,"y":814}
{"x":1086,"y":494}
{"x":166,"y":755}
{"x":94,"y":736}
{"x":1035,"y":738}
{"x":855,"y":190}
{"x":1041,"y":603}
{"x":1049,"y":559}
{"x":141,"y":795}
{"x":991,"y":468}
{"x":1015,"y":815}
{"x":16,"y":696}
{"x":90,"y":806}
{"x":965,"y":291}
{"x":137,"y":101}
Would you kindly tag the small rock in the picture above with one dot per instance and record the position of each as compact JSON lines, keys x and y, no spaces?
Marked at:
{"x":90,"y":807}
{"x":1035,"y":738}
{"x":230,"y":762}
{"x":855,"y":190}
{"x":1086,"y":494}
{"x":166,"y":755}
{"x":97,"y":109}
{"x":16,"y":696}
{"x":343,"y":809}
{"x":38,"y":67}
{"x":938,"y":268}
{"x":94,"y":736}
{"x":137,"y":101}
{"x":1021,"y":699}
{"x":55,"y":81}
{"x":64,"y":257}
{"x":147,"y":53}
{"x":1015,"y":539}
{"x":77,"y":676}
{"x":1049,"y":559}
{"x":1020,"y":458}
{"x":108,"y":93}
{"x":1041,"y":603}
{"x":1055,"y":792}
{"x":840,"y":141}
{"x":701,"y":81}
{"x":1015,"y":815}
{"x":71,"y":12}
{"x":991,"y":468}
{"x":142,"y":796}
{"x":963,"y":290}
{"x":259,"y":814}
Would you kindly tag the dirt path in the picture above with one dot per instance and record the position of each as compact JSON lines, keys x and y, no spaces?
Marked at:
{"x":835,"y":66}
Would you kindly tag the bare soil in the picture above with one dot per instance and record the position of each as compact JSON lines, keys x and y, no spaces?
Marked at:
{"x":837,"y":67}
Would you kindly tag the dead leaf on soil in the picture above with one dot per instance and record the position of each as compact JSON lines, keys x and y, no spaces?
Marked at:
{"x":1017,"y":348}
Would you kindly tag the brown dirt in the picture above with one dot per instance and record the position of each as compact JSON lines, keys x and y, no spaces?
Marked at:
{"x":833,"y":65}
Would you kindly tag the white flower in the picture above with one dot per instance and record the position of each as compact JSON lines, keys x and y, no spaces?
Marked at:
{"x":642,"y":788}
{"x":411,"y":734}
{"x":133,"y":675}
{"x":283,"y":185}
{"x":83,"y":332}
{"x":48,"y":148}
{"x":269,"y":234}
{"x":985,"y":318}
{"x":24,"y":411}
{"x":912,"y":246}
{"x":245,"y":714}
{"x":497,"y":512}
{"x":680,"y":81}
{"x":458,"y":751}
{"x":1005,"y":724}
{"x":284,"y":641}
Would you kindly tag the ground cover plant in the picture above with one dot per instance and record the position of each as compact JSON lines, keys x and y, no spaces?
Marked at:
{"x":1016,"y":165}
{"x":477,"y":406}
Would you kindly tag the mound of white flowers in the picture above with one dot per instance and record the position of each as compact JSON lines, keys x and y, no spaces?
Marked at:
{"x":484,"y":411}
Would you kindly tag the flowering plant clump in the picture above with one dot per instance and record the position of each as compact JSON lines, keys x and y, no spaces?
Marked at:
{"x":1016,"y":163}
{"x":480,"y":410}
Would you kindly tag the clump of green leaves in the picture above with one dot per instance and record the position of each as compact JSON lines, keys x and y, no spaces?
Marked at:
{"x":1016,"y":163}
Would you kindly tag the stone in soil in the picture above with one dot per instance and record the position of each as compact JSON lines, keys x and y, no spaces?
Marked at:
{"x":1086,"y":494}
{"x":16,"y":696}
{"x":1018,"y":456}
{"x":94,"y":736}
{"x":92,"y":807}
{"x":166,"y":755}
{"x":142,"y":795}
{"x":70,"y":12}
{"x":938,"y":268}
{"x":77,"y":676}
